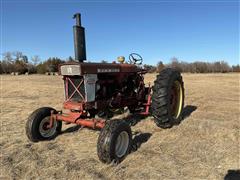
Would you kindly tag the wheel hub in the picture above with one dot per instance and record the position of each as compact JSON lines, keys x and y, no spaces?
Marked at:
{"x":44,"y":130}
{"x":176,"y":99}
{"x":122,"y":144}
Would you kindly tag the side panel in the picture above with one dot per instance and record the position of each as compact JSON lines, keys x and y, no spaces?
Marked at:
{"x":90,"y":86}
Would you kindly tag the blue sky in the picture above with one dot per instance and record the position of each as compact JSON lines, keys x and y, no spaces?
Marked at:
{"x":158,"y":30}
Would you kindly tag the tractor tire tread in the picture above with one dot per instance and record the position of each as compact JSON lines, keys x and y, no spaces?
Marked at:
{"x":34,"y":120}
{"x":104,"y":144}
{"x":160,"y":97}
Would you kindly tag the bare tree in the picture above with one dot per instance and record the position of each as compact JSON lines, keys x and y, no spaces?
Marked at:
{"x":104,"y":61}
{"x":7,"y":63}
{"x":150,"y":68}
{"x":70,"y":59}
{"x":236,"y":68}
{"x":176,"y":64}
{"x":160,"y":66}
{"x":18,"y":55}
{"x":7,"y":56}
{"x":1,"y":69}
{"x":35,"y":59}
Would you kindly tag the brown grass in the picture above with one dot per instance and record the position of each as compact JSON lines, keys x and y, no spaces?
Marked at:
{"x":204,"y":146}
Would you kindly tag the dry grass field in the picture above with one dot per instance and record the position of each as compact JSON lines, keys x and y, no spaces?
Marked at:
{"x":205,"y":145}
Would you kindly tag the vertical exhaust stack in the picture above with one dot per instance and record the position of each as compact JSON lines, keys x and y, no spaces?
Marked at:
{"x":79,"y":39}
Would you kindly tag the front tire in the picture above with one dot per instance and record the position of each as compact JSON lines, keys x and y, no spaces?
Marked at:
{"x":114,"y":141}
{"x":36,"y":126}
{"x":168,"y":98}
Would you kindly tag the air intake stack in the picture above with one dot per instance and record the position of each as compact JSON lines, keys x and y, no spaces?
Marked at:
{"x":79,"y":39}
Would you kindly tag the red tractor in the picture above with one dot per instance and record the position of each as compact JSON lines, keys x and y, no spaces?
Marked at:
{"x":95,"y":91}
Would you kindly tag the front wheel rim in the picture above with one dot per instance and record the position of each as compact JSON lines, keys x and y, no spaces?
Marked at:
{"x":176,"y":100}
{"x":122,"y":144}
{"x":47,"y":132}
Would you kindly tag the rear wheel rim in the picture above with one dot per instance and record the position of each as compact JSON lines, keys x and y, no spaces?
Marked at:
{"x":47,"y":132}
{"x":122,"y":144}
{"x":176,"y":99}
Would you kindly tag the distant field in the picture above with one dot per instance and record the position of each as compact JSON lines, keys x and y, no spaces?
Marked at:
{"x":204,"y":146}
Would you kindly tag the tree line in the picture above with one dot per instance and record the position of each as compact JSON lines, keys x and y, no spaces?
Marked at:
{"x":195,"y":67}
{"x":18,"y":62}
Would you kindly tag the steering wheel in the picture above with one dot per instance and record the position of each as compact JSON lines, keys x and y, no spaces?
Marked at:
{"x":135,"y":58}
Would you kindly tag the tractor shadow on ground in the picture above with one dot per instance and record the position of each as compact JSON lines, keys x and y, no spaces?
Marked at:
{"x":232,"y":175}
{"x":187,"y":111}
{"x":133,"y":119}
{"x":139,"y":139}
{"x":71,"y":129}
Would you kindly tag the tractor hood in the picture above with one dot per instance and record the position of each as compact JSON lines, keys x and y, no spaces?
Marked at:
{"x":72,"y":69}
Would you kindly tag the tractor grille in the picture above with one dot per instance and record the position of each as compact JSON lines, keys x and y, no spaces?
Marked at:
{"x":74,"y":89}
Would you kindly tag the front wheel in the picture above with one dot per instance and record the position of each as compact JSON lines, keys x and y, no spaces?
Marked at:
{"x":36,"y":126}
{"x":114,"y":141}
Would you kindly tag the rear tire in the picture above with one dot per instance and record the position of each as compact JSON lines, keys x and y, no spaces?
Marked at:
{"x":168,"y":98}
{"x":114,"y":141}
{"x":36,"y":129}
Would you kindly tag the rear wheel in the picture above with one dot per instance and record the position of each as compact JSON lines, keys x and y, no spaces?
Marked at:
{"x":168,"y":98}
{"x":114,"y":141}
{"x":37,"y":125}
